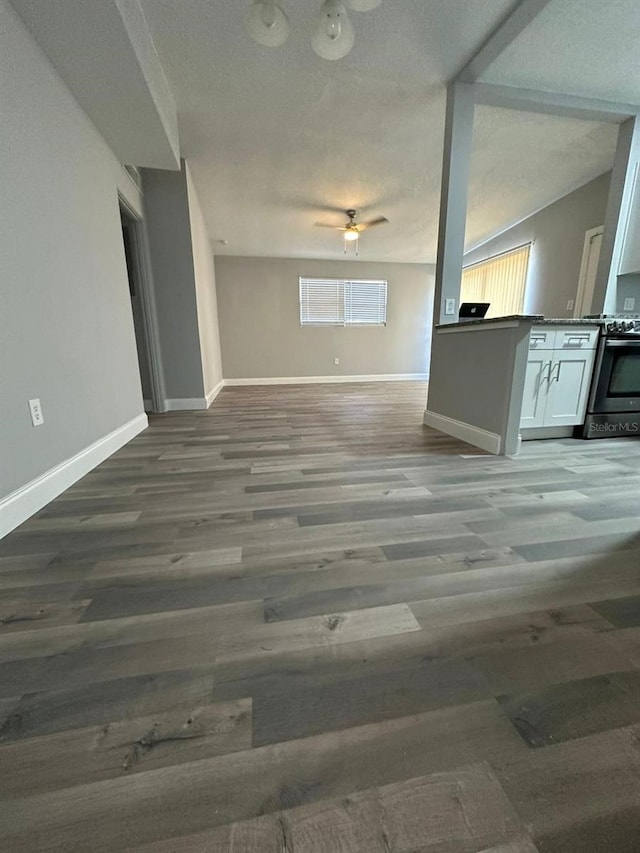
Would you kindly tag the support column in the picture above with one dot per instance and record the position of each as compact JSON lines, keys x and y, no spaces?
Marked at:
{"x":458,"y":139}
{"x":623,"y":177}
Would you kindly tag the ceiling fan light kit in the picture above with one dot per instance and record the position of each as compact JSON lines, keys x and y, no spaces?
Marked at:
{"x":351,"y":230}
{"x":333,"y":38}
{"x":351,"y":235}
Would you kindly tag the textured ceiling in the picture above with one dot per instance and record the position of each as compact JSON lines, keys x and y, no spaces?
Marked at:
{"x":587,"y":48}
{"x":523,"y":161}
{"x":277,"y":137}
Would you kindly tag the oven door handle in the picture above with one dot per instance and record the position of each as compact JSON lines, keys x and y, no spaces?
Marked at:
{"x":619,"y":342}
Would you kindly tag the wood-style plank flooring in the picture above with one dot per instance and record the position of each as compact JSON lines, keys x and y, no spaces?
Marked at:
{"x":302,"y":622}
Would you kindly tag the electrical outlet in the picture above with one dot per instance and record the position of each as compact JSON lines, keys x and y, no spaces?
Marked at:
{"x":336,"y":361}
{"x":449,"y":307}
{"x":629,"y":304}
{"x":570,"y":304}
{"x":37,"y":418}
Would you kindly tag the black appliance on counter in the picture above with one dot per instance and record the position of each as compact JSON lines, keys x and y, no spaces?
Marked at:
{"x":473,"y":310}
{"x":613,"y":409}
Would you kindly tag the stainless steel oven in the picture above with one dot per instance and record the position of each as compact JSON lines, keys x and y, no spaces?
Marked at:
{"x":614,"y":400}
{"x":617,"y":385}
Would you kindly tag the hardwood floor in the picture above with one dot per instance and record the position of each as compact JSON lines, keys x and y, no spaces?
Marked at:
{"x":302,"y":622}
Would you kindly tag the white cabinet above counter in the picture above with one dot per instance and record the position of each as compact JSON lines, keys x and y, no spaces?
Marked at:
{"x":630,"y":260}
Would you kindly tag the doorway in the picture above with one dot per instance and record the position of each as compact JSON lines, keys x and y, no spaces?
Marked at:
{"x":132,"y":237}
{"x":588,"y":269}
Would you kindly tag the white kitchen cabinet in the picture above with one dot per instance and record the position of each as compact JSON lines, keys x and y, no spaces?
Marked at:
{"x":558,"y":377}
{"x":576,"y":339}
{"x":535,"y":389}
{"x":568,"y":388}
{"x":630,"y":260}
{"x":542,"y":338}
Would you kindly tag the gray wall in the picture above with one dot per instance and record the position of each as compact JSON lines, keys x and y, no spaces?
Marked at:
{"x":558,"y":232}
{"x":205,"y":284}
{"x":66,"y":328}
{"x":474,"y":376}
{"x":477,"y":378}
{"x":260,"y":328}
{"x":184,"y":284}
{"x":628,"y":285}
{"x":167,"y":216}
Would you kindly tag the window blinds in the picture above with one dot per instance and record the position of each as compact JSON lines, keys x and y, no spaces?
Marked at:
{"x":336,"y":302}
{"x":500,"y":280}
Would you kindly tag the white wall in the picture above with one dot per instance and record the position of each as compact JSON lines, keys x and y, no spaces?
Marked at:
{"x":558,"y":234}
{"x":260,"y":328}
{"x":66,"y":328}
{"x":205,"y":282}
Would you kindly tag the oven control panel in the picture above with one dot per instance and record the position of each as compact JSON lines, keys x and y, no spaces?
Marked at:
{"x":623,"y":327}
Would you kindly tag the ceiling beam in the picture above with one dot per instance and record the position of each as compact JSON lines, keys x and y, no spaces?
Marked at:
{"x":456,"y":164}
{"x":516,"y":21}
{"x":553,"y":103}
{"x":104,"y":52}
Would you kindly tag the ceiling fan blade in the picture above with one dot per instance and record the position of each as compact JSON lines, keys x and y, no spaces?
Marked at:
{"x":327,"y":225}
{"x":372,"y":223}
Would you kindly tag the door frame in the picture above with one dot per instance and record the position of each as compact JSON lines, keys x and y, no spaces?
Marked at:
{"x":144,"y":279}
{"x":578,"y":308}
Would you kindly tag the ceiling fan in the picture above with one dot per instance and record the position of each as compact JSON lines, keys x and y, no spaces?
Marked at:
{"x":352,"y":229}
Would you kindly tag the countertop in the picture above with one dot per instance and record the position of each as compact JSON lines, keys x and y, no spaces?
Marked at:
{"x":534,"y":319}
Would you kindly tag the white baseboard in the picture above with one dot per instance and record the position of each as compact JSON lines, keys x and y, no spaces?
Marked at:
{"x":211,"y":396}
{"x":529,"y":433}
{"x":24,"y":502}
{"x":193,"y":404}
{"x":186,"y":404}
{"x":482,"y":438}
{"x":321,"y":380}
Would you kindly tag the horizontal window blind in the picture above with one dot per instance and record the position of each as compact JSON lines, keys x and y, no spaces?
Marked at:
{"x":338,"y":302}
{"x":321,"y":302}
{"x":365,"y":302}
{"x":500,"y":280}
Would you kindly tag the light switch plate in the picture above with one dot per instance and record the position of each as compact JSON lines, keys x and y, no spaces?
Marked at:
{"x":569,"y":304}
{"x":37,"y":418}
{"x":629,"y":304}
{"x":449,"y":307}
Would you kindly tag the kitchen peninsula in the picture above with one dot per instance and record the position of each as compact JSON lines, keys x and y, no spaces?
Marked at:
{"x":496,"y":381}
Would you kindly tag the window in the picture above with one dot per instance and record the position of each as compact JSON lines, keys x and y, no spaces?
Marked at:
{"x":334,"y":302}
{"x":500,"y":280}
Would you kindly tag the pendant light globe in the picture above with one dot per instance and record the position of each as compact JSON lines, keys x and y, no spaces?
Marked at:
{"x":334,"y":36}
{"x":267,"y":24}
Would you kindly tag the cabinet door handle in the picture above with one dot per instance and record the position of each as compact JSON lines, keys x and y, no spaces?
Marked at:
{"x":577,"y":340}
{"x":556,"y":378}
{"x":546,"y":378}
